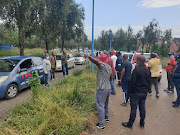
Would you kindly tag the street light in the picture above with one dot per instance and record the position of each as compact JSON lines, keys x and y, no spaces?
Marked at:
{"x":110,"y":41}
{"x":92,"y":65}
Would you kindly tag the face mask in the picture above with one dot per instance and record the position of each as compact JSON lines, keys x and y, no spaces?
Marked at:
{"x":171,"y":57}
{"x":47,"y":58}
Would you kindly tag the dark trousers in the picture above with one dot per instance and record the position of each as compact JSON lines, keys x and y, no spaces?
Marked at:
{"x":170,"y":81}
{"x":63,"y":69}
{"x":125,"y":87}
{"x":119,"y":75}
{"x":138,"y":99}
{"x":154,"y":80}
{"x":178,"y":93}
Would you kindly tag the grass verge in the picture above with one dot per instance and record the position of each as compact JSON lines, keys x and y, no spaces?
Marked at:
{"x":68,"y":108}
{"x":164,"y":61}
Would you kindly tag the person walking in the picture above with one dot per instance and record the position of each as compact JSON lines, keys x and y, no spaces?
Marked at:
{"x":169,"y":69}
{"x":176,"y":80}
{"x":64,"y":63}
{"x":140,"y":82}
{"x":114,"y":58}
{"x":53,"y":65}
{"x":125,"y":78}
{"x":46,"y":69}
{"x":153,"y":65}
{"x":118,"y":67}
{"x":104,"y":74}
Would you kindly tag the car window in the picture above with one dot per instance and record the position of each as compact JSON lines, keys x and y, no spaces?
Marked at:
{"x":7,"y":65}
{"x":58,"y":57}
{"x":26,"y":64}
{"x":37,"y":61}
{"x":147,"y":56}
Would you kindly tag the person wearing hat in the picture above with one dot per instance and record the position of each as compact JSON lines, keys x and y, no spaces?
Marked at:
{"x":169,"y":69}
{"x":153,"y":65}
{"x":104,"y":74}
{"x":176,"y":80}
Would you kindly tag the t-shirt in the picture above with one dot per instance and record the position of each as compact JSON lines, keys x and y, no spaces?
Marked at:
{"x":154,"y":65}
{"x":171,"y":65}
{"x":128,"y":68}
{"x":114,"y":58}
{"x":103,"y":76}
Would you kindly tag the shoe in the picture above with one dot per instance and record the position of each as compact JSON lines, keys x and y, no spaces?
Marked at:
{"x":166,"y":89}
{"x":124,"y":104}
{"x":150,"y":94}
{"x":142,"y":126}
{"x":125,"y":124}
{"x":107,"y":119}
{"x":174,"y":102}
{"x":170,"y":91}
{"x":157,"y":95}
{"x":100,"y":126}
{"x":176,"y":105}
{"x":53,"y":79}
{"x":113,"y":93}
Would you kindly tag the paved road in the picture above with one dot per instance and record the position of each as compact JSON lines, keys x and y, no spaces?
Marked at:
{"x":7,"y":105}
{"x":161,"y":117}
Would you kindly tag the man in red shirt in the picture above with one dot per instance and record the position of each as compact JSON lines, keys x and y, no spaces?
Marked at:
{"x":169,"y":69}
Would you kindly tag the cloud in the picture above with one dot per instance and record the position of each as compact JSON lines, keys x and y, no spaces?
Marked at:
{"x":158,"y":3}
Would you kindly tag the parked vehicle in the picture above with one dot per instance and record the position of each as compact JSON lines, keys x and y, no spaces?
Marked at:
{"x":14,"y":74}
{"x":79,"y":59}
{"x":70,"y":61}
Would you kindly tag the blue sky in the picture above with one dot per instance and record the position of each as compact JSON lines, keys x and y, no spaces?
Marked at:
{"x":115,"y":14}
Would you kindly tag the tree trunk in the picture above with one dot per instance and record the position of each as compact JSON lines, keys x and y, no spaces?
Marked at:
{"x":47,"y":45}
{"x":21,"y":41}
{"x":62,"y":47}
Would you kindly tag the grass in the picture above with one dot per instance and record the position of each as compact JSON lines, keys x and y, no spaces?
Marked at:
{"x":68,"y":108}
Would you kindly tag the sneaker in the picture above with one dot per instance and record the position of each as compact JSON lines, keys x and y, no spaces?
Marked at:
{"x":176,"y":105}
{"x":113,"y":93}
{"x":170,"y":91}
{"x":53,"y":79}
{"x":174,"y":102}
{"x":166,"y":89}
{"x":100,"y":126}
{"x":142,"y":126}
{"x":150,"y":94}
{"x":126,"y":124}
{"x":124,"y":104}
{"x":107,"y":119}
{"x":157,"y":95}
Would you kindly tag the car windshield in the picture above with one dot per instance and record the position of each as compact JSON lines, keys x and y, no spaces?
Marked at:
{"x":7,"y":65}
{"x":147,"y":56}
{"x":58,"y":57}
{"x":79,"y":55}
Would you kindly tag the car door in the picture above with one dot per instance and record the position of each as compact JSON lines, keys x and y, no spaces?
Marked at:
{"x":69,"y":61}
{"x":38,"y":65}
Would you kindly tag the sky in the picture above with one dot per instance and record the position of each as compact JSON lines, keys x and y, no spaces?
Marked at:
{"x":116,"y":14}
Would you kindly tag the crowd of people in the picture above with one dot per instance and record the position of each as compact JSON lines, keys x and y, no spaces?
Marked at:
{"x":136,"y":84}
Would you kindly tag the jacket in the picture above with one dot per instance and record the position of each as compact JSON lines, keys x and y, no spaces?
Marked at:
{"x":53,"y":61}
{"x":176,"y":75}
{"x":140,"y":80}
{"x":46,"y":66}
{"x":119,"y":64}
{"x":64,"y":59}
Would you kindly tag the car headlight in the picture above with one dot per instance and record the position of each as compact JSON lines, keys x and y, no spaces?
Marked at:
{"x":3,"y":78}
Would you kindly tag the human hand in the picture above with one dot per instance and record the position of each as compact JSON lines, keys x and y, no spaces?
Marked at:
{"x":86,"y":56}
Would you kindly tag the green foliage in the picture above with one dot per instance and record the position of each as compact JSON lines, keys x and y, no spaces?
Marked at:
{"x":66,"y":109}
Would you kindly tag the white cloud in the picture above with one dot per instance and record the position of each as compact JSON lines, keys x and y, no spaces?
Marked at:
{"x":158,"y":3}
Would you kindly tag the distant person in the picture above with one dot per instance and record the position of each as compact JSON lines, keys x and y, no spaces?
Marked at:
{"x":140,"y":82}
{"x":169,"y":69}
{"x":176,"y":80}
{"x":119,"y":67}
{"x":46,"y":69}
{"x":45,"y":52}
{"x":104,"y":74}
{"x":153,"y":66}
{"x":53,"y":65}
{"x":125,"y":78}
{"x":114,"y":58}
{"x":64,"y":63}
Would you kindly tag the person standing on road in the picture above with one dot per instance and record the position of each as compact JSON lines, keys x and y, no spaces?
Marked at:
{"x":176,"y":80}
{"x":64,"y":63}
{"x":104,"y":73}
{"x":119,"y":67}
{"x":153,"y":65}
{"x":114,"y":58}
{"x":169,"y":69}
{"x":140,"y":82}
{"x":46,"y":69}
{"x":53,"y":65}
{"x":125,"y":78}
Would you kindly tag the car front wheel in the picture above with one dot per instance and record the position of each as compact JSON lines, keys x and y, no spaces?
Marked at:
{"x":11,"y":91}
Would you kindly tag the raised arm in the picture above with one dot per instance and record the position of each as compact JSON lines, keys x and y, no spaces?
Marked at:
{"x":93,"y":60}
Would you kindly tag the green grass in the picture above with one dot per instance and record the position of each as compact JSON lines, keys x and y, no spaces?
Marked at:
{"x":68,"y":108}
{"x":164,"y":61}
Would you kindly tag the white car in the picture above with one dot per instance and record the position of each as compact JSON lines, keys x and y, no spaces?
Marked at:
{"x":79,"y":59}
{"x":70,"y":61}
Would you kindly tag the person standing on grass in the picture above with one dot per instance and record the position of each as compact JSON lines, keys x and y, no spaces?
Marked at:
{"x":125,"y":78}
{"x":176,"y":80}
{"x":104,"y":74}
{"x":140,"y":82}
{"x":46,"y":69}
{"x":119,"y":67}
{"x":153,"y":65}
{"x":64,"y":63}
{"x":169,"y":69}
{"x":53,"y":65}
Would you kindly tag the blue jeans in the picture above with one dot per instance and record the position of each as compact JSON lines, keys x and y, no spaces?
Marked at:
{"x":125,"y":89}
{"x":47,"y":78}
{"x":63,"y":69}
{"x":178,"y":93}
{"x":112,"y":86}
{"x":138,"y":99}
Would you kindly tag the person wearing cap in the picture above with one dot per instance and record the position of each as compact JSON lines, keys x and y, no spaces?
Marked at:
{"x":104,"y":74}
{"x":169,"y":69}
{"x":176,"y":80}
{"x":153,"y":65}
{"x":118,"y":66}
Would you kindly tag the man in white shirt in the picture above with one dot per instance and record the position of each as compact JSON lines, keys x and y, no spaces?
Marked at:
{"x":114,"y":58}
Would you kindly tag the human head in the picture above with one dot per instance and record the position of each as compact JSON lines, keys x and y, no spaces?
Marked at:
{"x":53,"y":53}
{"x":125,"y":57}
{"x":46,"y":56}
{"x":141,"y":60}
{"x":113,"y":53}
{"x":171,"y":55}
{"x":118,"y":53}
{"x":103,"y":58}
{"x":153,"y":55}
{"x":178,"y":58}
{"x":64,"y":52}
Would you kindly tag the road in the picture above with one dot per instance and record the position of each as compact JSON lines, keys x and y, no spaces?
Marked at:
{"x":161,"y":117}
{"x":7,"y":105}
